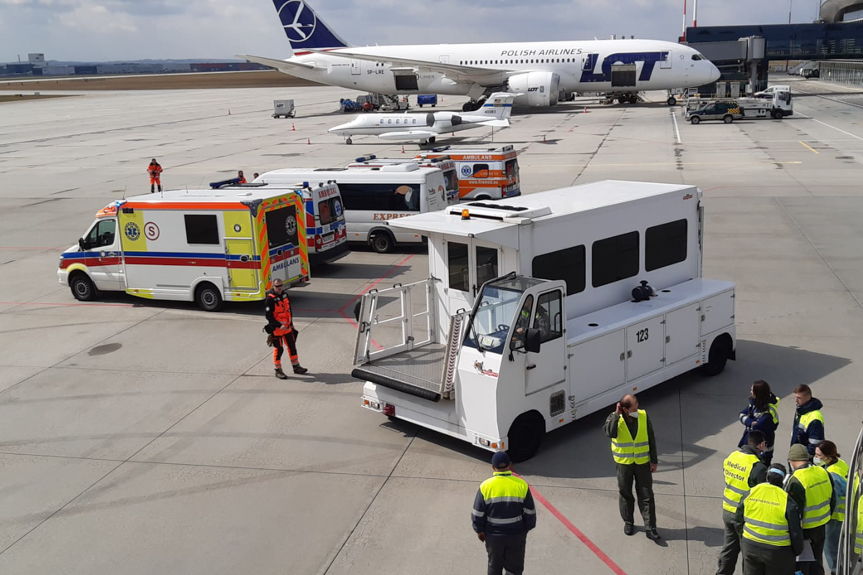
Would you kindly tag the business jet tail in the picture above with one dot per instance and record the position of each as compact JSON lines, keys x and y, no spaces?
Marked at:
{"x":305,"y":29}
{"x":498,"y":105}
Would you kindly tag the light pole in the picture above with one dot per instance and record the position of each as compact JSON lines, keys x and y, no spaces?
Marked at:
{"x":790,"y":5}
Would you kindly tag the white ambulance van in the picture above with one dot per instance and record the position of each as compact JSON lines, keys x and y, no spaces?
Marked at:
{"x":483,"y":173}
{"x":326,"y":230}
{"x":444,"y":164}
{"x":207,"y":246}
{"x":542,"y":309}
{"x":374,"y":196}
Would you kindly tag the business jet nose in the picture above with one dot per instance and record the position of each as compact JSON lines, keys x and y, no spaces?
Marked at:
{"x":339,"y":128}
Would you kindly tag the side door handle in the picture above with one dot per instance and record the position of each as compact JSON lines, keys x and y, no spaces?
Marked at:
{"x":531,"y":366}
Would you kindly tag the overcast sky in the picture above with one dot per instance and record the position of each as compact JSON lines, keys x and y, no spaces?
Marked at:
{"x":101,"y":30}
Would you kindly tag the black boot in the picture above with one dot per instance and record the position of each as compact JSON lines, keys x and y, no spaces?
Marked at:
{"x":152,"y":189}
{"x":299,"y":369}
{"x":280,"y":374}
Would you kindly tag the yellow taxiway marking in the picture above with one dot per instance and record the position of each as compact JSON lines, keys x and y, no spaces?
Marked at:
{"x":808,"y":147}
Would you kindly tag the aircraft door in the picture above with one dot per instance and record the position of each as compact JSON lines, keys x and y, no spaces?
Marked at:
{"x":356,"y":68}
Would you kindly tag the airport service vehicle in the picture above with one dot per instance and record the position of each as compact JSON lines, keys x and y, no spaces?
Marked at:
{"x":539,"y":71}
{"x":207,"y":246}
{"x":373,"y":196}
{"x":542,"y":309}
{"x":483,"y":173}
{"x":777,"y":106}
{"x":326,"y":230}
{"x":426,"y":100}
{"x":425,"y":127}
{"x":768,"y":93}
{"x":726,"y":110}
{"x":283,"y":109}
{"x":444,"y":164}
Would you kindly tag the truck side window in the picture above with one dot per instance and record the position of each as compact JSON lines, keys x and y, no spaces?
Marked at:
{"x":486,"y":265}
{"x":457,"y":261}
{"x":665,"y":245}
{"x":480,"y":171}
{"x":614,"y":259}
{"x":102,"y":234}
{"x":567,"y":264}
{"x":548,"y":319}
{"x":201,"y":229}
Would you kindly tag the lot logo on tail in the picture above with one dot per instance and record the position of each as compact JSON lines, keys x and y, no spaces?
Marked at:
{"x":303,"y":27}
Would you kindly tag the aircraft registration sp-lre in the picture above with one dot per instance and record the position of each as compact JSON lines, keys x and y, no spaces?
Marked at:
{"x":424,"y":127}
{"x":538,"y":71}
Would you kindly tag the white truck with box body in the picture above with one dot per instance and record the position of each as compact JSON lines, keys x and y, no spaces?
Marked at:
{"x":777,"y":104}
{"x":542,"y":309}
{"x":206,"y":246}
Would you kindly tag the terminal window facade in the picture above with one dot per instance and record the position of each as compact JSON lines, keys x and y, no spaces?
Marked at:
{"x":381,"y":197}
{"x":614,"y":258}
{"x":201,"y":229}
{"x":566,"y":264}
{"x":665,"y":245}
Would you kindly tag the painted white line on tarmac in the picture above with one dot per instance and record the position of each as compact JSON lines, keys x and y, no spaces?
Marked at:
{"x":676,"y":128}
{"x":838,"y":129}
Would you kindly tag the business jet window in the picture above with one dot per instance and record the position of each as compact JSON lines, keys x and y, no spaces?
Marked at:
{"x":696,"y":57}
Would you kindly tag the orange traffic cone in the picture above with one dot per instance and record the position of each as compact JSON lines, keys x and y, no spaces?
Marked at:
{"x":585,"y":110}
{"x":403,"y":149}
{"x":293,"y":127}
{"x":309,"y":141}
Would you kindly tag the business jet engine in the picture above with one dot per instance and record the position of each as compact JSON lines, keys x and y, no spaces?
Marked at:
{"x":443,"y":120}
{"x":535,"y":88}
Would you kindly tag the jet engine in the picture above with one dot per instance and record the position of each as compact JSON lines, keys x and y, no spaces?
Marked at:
{"x":535,"y":88}
{"x":443,"y":119}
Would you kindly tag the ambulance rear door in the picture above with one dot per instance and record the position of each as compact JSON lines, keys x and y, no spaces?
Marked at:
{"x":285,"y":252}
{"x":242,"y":258}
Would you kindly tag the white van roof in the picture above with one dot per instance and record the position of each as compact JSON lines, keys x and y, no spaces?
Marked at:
{"x":207,"y":195}
{"x":493,"y":220}
{"x":407,"y":173}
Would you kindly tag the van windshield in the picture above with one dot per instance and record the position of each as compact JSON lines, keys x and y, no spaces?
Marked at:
{"x":330,"y":210}
{"x":496,"y":312}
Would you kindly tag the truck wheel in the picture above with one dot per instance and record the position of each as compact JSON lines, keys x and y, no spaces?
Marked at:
{"x":525,"y":436}
{"x":349,"y":141}
{"x":727,"y":118}
{"x":82,"y":287}
{"x":208,"y":298}
{"x":720,"y":352}
{"x":381,"y":242}
{"x":671,"y":101}
{"x":694,"y":120}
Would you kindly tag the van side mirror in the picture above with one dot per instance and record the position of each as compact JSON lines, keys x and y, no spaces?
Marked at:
{"x":82,"y":244}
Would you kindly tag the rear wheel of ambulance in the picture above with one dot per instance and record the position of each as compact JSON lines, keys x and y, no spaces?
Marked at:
{"x":82,"y":287}
{"x":525,"y":436}
{"x":208,"y":298}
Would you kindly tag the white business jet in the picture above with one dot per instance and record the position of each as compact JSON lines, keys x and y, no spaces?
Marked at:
{"x":539,"y":71}
{"x":425,"y":127}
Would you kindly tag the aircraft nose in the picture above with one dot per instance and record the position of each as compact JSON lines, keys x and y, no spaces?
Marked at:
{"x":338,"y":128}
{"x":713,"y":73}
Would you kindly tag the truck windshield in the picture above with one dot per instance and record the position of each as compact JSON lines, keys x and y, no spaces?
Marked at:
{"x":496,"y":311}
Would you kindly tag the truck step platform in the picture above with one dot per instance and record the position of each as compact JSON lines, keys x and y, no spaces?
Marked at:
{"x":416,"y":372}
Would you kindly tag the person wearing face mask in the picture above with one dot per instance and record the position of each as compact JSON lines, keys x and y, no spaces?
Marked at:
{"x":827,"y":457}
{"x":633,"y":447}
{"x":761,"y":414}
{"x":811,"y":487}
{"x":743,"y":470}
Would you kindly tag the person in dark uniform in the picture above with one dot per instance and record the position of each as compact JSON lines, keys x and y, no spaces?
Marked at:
{"x":280,"y":329}
{"x":503,"y":512}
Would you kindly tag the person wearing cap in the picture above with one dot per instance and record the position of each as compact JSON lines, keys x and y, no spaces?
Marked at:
{"x":743,"y":470}
{"x":633,"y":447}
{"x":769,"y":523}
{"x":503,"y":513}
{"x":827,"y":456}
{"x":808,"y":427}
{"x":280,"y":329}
{"x":811,"y":487}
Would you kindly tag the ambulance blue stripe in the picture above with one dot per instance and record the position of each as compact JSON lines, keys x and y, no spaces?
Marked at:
{"x":162,"y":255}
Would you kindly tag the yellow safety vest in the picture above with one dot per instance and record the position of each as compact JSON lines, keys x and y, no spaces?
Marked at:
{"x":858,"y":536}
{"x":839,"y":468}
{"x":773,"y":408}
{"x":819,"y":489}
{"x":764,"y":518}
{"x":737,"y":468}
{"x":807,"y":418}
{"x":627,"y":450}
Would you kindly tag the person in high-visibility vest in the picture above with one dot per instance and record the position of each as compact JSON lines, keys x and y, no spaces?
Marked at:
{"x":280,"y":329}
{"x":743,"y":469}
{"x":761,"y":414}
{"x":769,"y":523}
{"x":503,"y":512}
{"x":808,"y":427}
{"x":811,"y":487}
{"x":827,"y":457}
{"x":633,"y":447}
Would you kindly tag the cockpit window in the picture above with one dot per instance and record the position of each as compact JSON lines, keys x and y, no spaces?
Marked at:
{"x":697,"y":57}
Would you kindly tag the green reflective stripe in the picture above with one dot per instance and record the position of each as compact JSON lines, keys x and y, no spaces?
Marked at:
{"x":784,"y":539}
{"x":757,"y":523}
{"x":504,"y":500}
{"x":737,"y":490}
{"x":504,"y":521}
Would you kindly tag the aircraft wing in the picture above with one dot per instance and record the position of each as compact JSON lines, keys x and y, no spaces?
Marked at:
{"x":482,"y":76}
{"x":408,"y":135}
{"x":495,"y":123}
{"x":286,"y":66}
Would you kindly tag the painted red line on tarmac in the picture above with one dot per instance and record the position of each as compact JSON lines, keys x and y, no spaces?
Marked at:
{"x":349,"y":316}
{"x":577,"y":532}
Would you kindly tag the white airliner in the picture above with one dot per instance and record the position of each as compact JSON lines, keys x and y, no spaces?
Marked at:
{"x":424,"y":127}
{"x":539,"y":71}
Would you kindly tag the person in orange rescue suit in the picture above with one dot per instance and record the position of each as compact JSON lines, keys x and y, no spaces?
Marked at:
{"x":241,"y":179}
{"x":155,"y":171}
{"x":280,"y":329}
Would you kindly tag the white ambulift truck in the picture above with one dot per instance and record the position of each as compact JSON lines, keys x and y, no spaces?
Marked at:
{"x":542,"y":309}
